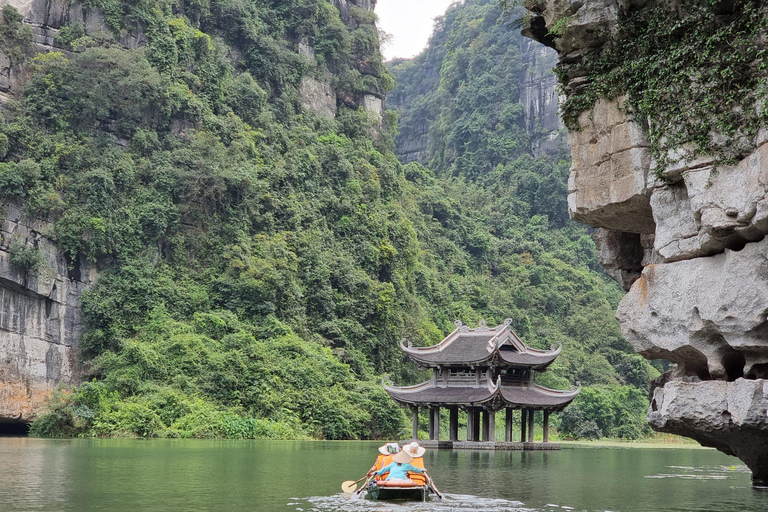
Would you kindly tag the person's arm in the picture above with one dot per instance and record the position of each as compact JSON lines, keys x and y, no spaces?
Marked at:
{"x":384,"y":469}
{"x":411,"y":467}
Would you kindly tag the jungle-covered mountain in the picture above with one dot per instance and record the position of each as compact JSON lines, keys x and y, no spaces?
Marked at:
{"x":260,"y":257}
{"x":478,"y":108}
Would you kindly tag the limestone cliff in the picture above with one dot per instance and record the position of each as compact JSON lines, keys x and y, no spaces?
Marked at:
{"x":685,"y":239}
{"x":40,"y":317}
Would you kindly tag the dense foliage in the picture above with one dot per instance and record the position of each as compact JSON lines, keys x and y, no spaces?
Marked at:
{"x":533,"y":262}
{"x":465,"y":87}
{"x":257,"y":259}
{"x":695,"y":75}
{"x":259,"y":263}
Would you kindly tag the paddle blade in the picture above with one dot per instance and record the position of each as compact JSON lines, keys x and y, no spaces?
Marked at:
{"x":349,"y":486}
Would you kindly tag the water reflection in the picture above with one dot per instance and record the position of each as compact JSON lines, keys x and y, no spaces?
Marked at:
{"x":41,"y":482}
{"x":251,"y":476}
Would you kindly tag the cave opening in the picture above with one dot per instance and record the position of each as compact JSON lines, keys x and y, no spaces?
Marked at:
{"x":758,"y":371}
{"x":13,"y":428}
{"x":733,"y":363}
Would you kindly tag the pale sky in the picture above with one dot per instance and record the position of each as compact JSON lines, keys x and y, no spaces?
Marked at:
{"x":410,"y":24}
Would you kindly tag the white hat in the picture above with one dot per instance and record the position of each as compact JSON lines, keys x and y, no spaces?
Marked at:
{"x":389,"y":448}
{"x":414,"y":450}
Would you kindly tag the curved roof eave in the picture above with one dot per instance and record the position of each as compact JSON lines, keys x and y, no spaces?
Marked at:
{"x":535,"y":396}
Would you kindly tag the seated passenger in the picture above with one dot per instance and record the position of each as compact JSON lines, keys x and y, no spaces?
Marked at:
{"x":386,"y":451}
{"x":414,"y":449}
{"x":399,"y":468}
{"x":417,"y":452}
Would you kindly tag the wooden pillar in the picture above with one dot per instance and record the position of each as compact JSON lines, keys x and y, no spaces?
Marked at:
{"x":434,"y":423}
{"x":491,"y":419}
{"x":454,"y":424}
{"x":523,"y":415}
{"x":530,"y":425}
{"x":546,"y":426}
{"x":485,"y":424}
{"x":508,"y":426}
{"x":415,"y":411}
{"x":476,"y":426}
{"x":470,"y":423}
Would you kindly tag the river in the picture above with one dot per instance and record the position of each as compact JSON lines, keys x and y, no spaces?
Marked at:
{"x":191,"y":475}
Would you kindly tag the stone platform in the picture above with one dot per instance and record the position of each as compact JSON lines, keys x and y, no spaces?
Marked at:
{"x":487,"y":445}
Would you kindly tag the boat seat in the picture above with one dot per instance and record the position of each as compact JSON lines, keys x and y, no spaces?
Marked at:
{"x":398,"y":483}
{"x":417,"y":477}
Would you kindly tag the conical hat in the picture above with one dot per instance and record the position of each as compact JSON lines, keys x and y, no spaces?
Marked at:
{"x":402,"y":458}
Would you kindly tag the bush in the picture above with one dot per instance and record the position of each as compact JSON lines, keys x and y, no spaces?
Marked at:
{"x":26,"y":258}
{"x":611,"y":411}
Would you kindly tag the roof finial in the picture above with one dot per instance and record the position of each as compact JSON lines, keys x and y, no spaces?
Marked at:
{"x":508,"y":321}
{"x":482,"y":326}
{"x":458,"y":324}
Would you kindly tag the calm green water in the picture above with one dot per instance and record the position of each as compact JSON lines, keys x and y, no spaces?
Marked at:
{"x":123,"y":475}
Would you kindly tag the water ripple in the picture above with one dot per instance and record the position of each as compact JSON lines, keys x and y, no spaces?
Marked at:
{"x":451,"y":503}
{"x":718,"y":472}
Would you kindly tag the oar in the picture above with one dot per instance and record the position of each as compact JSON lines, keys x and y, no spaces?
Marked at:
{"x":433,"y":486}
{"x":357,"y":493}
{"x":351,"y":485}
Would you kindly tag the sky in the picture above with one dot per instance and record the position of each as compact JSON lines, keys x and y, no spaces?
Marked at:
{"x":410,"y":23}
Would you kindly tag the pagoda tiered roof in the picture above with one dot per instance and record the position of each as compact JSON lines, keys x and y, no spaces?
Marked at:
{"x":483,"y":346}
{"x":492,"y":395}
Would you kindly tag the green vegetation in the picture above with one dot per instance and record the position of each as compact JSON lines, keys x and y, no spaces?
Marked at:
{"x":262,"y":256}
{"x":25,"y":258}
{"x":529,"y":261}
{"x":262,"y":262}
{"x":695,"y":76}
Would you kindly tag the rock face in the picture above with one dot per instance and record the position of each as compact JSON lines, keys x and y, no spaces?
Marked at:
{"x":689,"y":247}
{"x":708,"y":315}
{"x":40,"y":318}
{"x":729,"y":416}
{"x":46,"y":17}
{"x":539,"y":97}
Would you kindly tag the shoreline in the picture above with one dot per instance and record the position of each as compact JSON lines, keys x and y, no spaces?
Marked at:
{"x":640,"y":443}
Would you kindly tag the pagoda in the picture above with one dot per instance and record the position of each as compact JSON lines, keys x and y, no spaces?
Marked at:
{"x":482,"y":371}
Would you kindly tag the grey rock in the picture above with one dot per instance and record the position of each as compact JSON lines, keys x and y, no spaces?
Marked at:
{"x":540,"y":99}
{"x":709,"y":315}
{"x":40,"y":319}
{"x":373,"y":104}
{"x":729,"y":416}
{"x":609,"y":182}
{"x":318,"y":96}
{"x":344,"y":7}
{"x":711,"y":208}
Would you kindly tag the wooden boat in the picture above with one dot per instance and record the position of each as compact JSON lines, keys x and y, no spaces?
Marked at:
{"x":400,"y":490}
{"x":417,"y":486}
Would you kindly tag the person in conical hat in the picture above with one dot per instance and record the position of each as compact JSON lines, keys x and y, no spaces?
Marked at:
{"x":402,"y":457}
{"x":399,"y":468}
{"x":414,"y":449}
